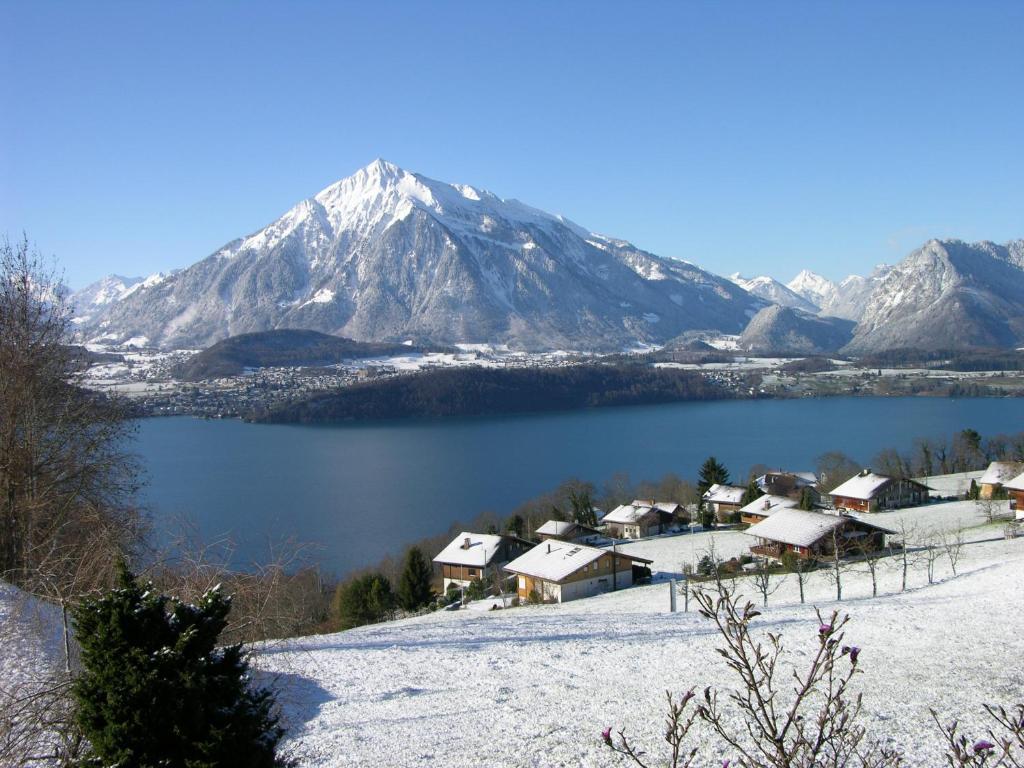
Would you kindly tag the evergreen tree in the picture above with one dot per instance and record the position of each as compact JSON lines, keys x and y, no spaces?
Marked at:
{"x":414,"y":584}
{"x":806,"y":499}
{"x":361,"y":600}
{"x":974,"y":492}
{"x":752,"y":493}
{"x":712,"y":471}
{"x":156,"y":690}
{"x":516,"y":525}
{"x":582,"y":508}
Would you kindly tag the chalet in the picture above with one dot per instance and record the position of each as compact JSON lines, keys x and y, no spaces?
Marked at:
{"x":723,"y":500}
{"x":473,"y":556}
{"x":558,"y":571}
{"x":677,"y":512}
{"x":868,"y":492}
{"x":765,"y":506}
{"x":996,"y":476}
{"x":812,"y":535}
{"x":567,"y":531}
{"x":780,"y":483}
{"x":1015,"y":490}
{"x":632,"y":521}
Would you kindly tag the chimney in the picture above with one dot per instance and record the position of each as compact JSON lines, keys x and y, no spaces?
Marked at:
{"x":465,"y":543}
{"x":549,"y":547}
{"x":865,"y":472}
{"x":767,"y":504}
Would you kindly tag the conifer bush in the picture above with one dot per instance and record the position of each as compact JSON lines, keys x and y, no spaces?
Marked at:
{"x":156,"y":690}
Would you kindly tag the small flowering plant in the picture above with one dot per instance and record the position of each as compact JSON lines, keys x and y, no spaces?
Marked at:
{"x":1002,"y":747}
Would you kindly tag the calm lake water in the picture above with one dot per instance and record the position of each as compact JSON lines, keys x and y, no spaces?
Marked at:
{"x":363,"y":491}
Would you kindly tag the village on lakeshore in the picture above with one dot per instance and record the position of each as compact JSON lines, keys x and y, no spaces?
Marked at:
{"x":792,"y":525}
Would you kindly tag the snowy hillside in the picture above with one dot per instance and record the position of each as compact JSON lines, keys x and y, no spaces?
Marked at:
{"x":534,"y":686}
{"x":390,"y":255}
{"x":770,"y":289}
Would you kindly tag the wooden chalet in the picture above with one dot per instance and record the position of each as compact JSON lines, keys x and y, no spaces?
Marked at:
{"x":559,"y":571}
{"x":472,"y":556}
{"x":996,"y":476}
{"x":632,"y":521}
{"x":869,"y":492}
{"x":567,"y":531}
{"x":723,"y":500}
{"x":765,"y":506}
{"x":814,"y":535}
{"x":1015,"y":490}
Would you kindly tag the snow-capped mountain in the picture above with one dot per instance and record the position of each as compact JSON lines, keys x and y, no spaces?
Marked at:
{"x":947,"y":294}
{"x":813,"y":287}
{"x":103,"y":292}
{"x":770,"y":289}
{"x":853,"y":293}
{"x":387,"y":254}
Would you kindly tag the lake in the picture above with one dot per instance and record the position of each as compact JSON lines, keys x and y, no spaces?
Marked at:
{"x":362,"y":491}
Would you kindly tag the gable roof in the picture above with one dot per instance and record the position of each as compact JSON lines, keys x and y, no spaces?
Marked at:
{"x":801,"y":529}
{"x":481,"y":550}
{"x":867,"y":485}
{"x":774,"y":504}
{"x":724,"y":494}
{"x":556,"y":528}
{"x":1016,"y":484}
{"x":1001,"y":472}
{"x":556,"y":560}
{"x":627,"y":514}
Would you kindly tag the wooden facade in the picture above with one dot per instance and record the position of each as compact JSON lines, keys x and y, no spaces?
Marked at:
{"x":825,"y":547}
{"x":894,"y":494}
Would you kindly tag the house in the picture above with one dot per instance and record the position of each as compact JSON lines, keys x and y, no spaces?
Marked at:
{"x":723,"y":500}
{"x":789,"y":484}
{"x":567,"y":531}
{"x":868,"y":492}
{"x":811,"y":535}
{"x":473,"y":556}
{"x":558,"y":571}
{"x":1015,"y":490}
{"x":680,"y":515}
{"x":996,"y":476}
{"x":633,"y":521}
{"x":765,"y":506}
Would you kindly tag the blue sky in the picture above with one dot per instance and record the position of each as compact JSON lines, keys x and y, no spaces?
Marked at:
{"x":758,"y":137}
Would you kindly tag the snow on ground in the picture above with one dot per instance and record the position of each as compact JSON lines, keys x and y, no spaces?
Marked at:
{"x":534,"y":686}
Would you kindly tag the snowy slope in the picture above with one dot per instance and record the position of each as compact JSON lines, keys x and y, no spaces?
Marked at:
{"x":101,"y":294}
{"x":389,"y":255}
{"x":770,"y":289}
{"x":534,"y":686}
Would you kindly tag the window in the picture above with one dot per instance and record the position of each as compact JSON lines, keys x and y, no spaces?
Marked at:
{"x":471,"y":571}
{"x":522,"y":582}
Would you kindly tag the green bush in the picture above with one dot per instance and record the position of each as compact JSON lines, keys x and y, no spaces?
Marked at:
{"x":155,"y":689}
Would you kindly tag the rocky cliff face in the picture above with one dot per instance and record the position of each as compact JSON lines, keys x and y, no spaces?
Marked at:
{"x":947,"y":294}
{"x":390,"y":255}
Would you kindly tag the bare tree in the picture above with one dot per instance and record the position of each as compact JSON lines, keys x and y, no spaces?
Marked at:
{"x":908,"y":534}
{"x":837,"y":560}
{"x":1003,"y":746}
{"x":801,"y":567}
{"x":813,"y":724}
{"x":952,"y":543}
{"x":765,"y":584}
{"x":932,"y":550}
{"x":871,"y":557}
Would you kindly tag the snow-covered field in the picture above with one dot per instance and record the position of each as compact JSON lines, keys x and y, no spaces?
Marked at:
{"x":534,"y":686}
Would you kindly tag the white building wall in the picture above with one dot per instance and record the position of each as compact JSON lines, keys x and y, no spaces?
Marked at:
{"x":574,"y":590}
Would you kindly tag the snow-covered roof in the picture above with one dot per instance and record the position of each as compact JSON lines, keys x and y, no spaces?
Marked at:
{"x":480,"y":550}
{"x":1000,"y":472}
{"x":802,"y":529}
{"x":861,"y":486}
{"x":1016,"y":484}
{"x":627,"y":514}
{"x":724,"y":494}
{"x":769,"y":505}
{"x":556,"y":528}
{"x":668,"y":506}
{"x":556,"y":560}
